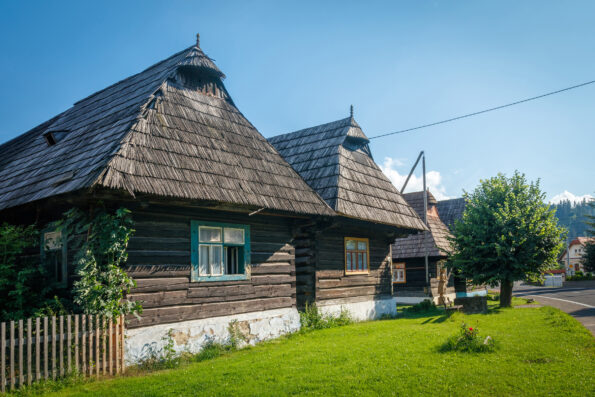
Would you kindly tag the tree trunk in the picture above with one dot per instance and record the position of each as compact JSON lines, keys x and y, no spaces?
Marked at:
{"x":505,"y":293}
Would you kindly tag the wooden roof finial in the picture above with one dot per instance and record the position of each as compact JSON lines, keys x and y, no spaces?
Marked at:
{"x":198,"y":40}
{"x":351,"y":111}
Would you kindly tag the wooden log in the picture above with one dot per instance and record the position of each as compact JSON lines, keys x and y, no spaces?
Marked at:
{"x":3,"y":357}
{"x":29,"y":347}
{"x":21,"y":345}
{"x":45,"y":348}
{"x":61,"y":334}
{"x":54,"y":347}
{"x":12,"y":347}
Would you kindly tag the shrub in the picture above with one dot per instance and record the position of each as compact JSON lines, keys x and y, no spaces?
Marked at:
{"x":422,"y":307}
{"x":468,"y":340}
{"x":494,"y":297}
{"x":312,"y":318}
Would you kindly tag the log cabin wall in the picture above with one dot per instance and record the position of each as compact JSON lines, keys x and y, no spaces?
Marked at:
{"x":332,"y":284}
{"x":159,"y":261}
{"x":415,"y":277}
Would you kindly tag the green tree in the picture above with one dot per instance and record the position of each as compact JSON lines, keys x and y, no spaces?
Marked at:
{"x":589,"y":255}
{"x":507,"y":232}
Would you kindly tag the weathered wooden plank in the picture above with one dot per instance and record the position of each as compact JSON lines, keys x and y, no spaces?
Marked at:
{"x":3,"y":357}
{"x":76,"y":342}
{"x":12,"y":347}
{"x":116,"y":346}
{"x":90,"y":335}
{"x":274,"y":279}
{"x":161,"y":284}
{"x":111,"y":347}
{"x":273,"y":268}
{"x":29,"y":347}
{"x":37,"y":348}
{"x":83,"y":342}
{"x":158,"y":271}
{"x":61,"y":333}
{"x":46,"y":331}
{"x":103,"y":339}
{"x":346,"y":292}
{"x":97,"y":360}
{"x":122,"y":333}
{"x":53,"y":347}
{"x":264,"y":257}
{"x":21,"y":346}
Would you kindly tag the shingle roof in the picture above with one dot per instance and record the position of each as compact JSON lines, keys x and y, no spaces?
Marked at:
{"x":335,"y":160}
{"x":434,"y":243}
{"x":171,"y":130}
{"x":451,"y":210}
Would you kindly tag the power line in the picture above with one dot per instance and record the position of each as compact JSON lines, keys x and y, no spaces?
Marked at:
{"x":485,"y":111}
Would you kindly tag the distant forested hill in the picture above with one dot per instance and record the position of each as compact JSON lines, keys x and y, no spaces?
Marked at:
{"x":573,"y":216}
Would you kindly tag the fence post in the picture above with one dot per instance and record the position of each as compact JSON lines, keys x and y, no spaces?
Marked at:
{"x":29,"y":333}
{"x":53,"y":347}
{"x":122,"y":343}
{"x":61,"y":345}
{"x":76,"y":342}
{"x":21,"y":343}
{"x":83,"y":341}
{"x":3,"y":356}
{"x":37,"y":346}
{"x":103,"y":344}
{"x":111,"y":347}
{"x":45,"y":347}
{"x":97,"y":361}
{"x":117,"y":348}
{"x":90,"y":326}
{"x":68,"y":345}
{"x":11,"y":355}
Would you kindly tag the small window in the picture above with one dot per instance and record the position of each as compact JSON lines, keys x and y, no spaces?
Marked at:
{"x":399,"y":273}
{"x":53,"y":137}
{"x":357,"y":255}
{"x":220,"y":251}
{"x":53,"y":255}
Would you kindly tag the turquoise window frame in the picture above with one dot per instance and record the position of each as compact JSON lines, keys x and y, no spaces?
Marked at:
{"x":195,"y":244}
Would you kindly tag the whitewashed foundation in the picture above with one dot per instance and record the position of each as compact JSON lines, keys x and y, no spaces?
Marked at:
{"x":191,"y":336}
{"x":361,"y":311}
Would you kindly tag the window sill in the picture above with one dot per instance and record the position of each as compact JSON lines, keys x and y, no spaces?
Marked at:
{"x":226,"y":277}
{"x":399,"y":282}
{"x":357,"y":273}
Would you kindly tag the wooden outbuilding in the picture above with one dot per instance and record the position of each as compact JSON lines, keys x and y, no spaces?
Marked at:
{"x":412,"y":282}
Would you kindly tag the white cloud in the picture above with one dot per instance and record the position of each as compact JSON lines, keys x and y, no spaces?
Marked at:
{"x":566,"y":195}
{"x":433,"y":179}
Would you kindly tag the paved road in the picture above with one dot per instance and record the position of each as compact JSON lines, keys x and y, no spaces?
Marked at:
{"x":576,"y":298}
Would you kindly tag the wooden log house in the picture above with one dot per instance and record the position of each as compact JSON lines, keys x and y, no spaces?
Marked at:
{"x":226,"y":228}
{"x":345,"y":262}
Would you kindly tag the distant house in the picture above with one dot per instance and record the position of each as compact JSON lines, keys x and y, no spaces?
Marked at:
{"x":412,"y":282}
{"x":229,"y":226}
{"x":571,"y":258}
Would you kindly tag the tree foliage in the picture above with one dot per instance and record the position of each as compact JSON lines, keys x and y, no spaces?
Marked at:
{"x":506,"y":233}
{"x":24,"y":290}
{"x":101,"y":239}
{"x":573,"y":216}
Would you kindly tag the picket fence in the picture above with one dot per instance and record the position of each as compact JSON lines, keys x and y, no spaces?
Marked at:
{"x":50,"y":347}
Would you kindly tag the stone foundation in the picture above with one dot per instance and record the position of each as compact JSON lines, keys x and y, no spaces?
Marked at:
{"x":191,"y":336}
{"x":361,"y":311}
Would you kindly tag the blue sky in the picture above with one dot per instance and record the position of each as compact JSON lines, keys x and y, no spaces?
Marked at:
{"x":292,"y":65}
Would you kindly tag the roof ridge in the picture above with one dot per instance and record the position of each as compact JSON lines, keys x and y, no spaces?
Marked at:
{"x":313,"y":127}
{"x":134,"y":75}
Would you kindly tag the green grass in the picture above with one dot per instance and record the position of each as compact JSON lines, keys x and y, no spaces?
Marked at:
{"x":540,"y":351}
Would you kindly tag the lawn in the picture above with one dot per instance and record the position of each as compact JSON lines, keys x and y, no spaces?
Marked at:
{"x":541,"y":351}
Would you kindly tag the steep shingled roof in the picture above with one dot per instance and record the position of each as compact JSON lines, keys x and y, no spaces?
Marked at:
{"x":435,"y":242}
{"x":451,"y":210}
{"x":171,"y":130}
{"x":335,"y":160}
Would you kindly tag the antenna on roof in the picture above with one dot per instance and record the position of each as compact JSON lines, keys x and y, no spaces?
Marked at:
{"x":351,"y":111}
{"x":198,"y":40}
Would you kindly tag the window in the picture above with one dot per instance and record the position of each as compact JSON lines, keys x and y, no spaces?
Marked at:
{"x":220,"y":251}
{"x":399,"y":273}
{"x":53,"y":256}
{"x":357,"y":255}
{"x":53,"y":137}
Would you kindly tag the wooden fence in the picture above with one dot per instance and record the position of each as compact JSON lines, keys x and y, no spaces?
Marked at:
{"x":52,"y":347}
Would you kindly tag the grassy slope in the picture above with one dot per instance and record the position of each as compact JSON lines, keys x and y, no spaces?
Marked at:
{"x":541,"y":351}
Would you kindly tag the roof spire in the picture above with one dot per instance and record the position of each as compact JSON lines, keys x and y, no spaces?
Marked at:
{"x":198,"y":40}
{"x":351,"y":111}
